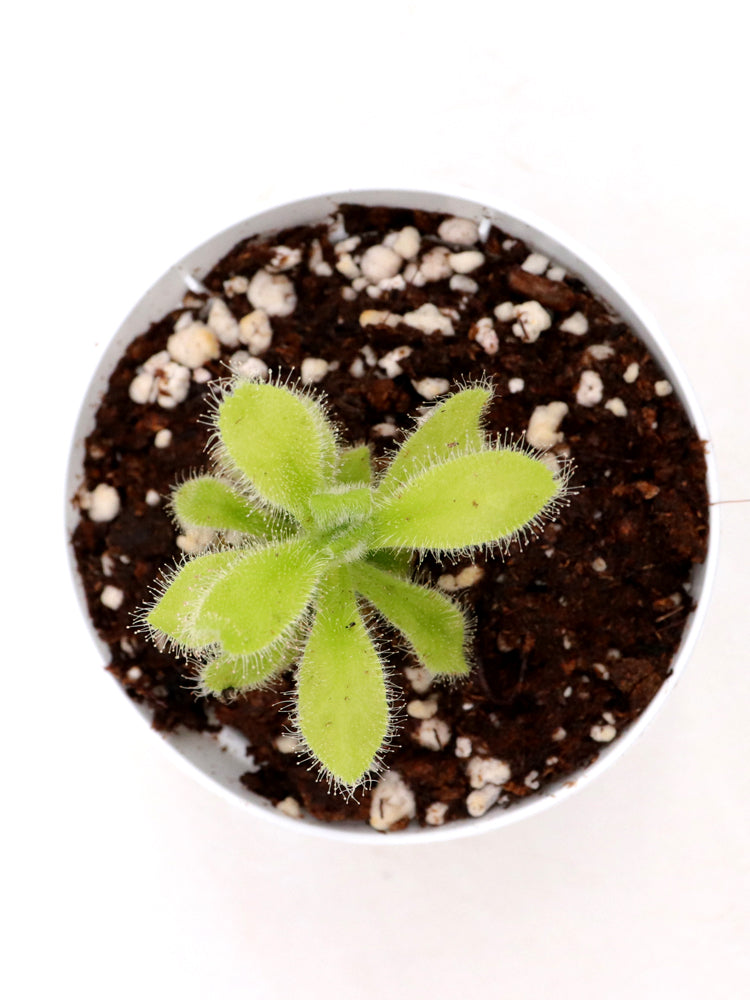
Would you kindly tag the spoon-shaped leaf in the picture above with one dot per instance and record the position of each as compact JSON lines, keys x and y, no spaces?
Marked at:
{"x":207,"y":502}
{"x":261,"y":597}
{"x":241,"y":672}
{"x":473,"y":499}
{"x":453,"y":425}
{"x":434,"y":625}
{"x":280,"y":439}
{"x":174,"y":613}
{"x":342,"y":703}
{"x":354,"y":467}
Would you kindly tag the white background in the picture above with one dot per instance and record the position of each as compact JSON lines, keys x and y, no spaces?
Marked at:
{"x":133,"y":132}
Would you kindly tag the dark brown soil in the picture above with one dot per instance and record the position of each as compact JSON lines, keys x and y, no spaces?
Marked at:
{"x":578,"y":629}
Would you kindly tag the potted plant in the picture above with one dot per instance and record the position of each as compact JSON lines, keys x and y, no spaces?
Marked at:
{"x":388,"y":309}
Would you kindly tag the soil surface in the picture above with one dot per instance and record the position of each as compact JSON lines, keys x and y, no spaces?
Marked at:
{"x":574,"y":634}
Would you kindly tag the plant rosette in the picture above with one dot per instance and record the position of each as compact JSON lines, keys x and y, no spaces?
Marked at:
{"x":335,"y":505}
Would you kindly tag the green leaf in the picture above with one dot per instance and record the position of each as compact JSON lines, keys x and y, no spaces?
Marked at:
{"x":261,"y":597}
{"x":354,"y":467}
{"x":474,"y":499}
{"x":243,"y":673}
{"x":280,"y":439}
{"x":397,"y":561}
{"x":174,"y":613}
{"x":453,"y":425}
{"x":433,"y":625}
{"x":207,"y":502}
{"x":348,"y":506}
{"x":343,"y":705}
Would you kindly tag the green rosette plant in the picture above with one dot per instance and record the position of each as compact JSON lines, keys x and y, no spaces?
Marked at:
{"x":315,"y":545}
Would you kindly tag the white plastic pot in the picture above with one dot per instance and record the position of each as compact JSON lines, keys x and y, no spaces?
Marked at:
{"x":202,"y":755}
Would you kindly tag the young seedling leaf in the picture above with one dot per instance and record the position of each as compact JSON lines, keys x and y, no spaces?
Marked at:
{"x":174,"y":613}
{"x":354,"y":467}
{"x":474,"y":499}
{"x":242,"y":673}
{"x":342,"y":701}
{"x":279,"y":439}
{"x":261,"y":597}
{"x":433,"y":625}
{"x":453,"y":425}
{"x":348,"y":506}
{"x":207,"y":502}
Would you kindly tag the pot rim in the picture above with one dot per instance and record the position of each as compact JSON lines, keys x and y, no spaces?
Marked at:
{"x":202,"y":757}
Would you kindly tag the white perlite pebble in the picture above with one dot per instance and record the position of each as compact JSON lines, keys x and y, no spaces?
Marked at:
{"x":273,"y":293}
{"x":135,"y":674}
{"x":152,"y":498}
{"x":163,"y":438}
{"x":317,"y":262}
{"x":255,"y":330}
{"x":435,"y":266}
{"x":505,"y":312}
{"x":236,"y":285}
{"x":286,"y":743}
{"x":600,"y":352}
{"x":485,"y":336}
{"x":433,"y":734}
{"x":378,"y":317}
{"x":662,"y":387}
{"x":384,"y":430}
{"x":531,"y":320}
{"x":420,"y":678}
{"x":290,"y":807}
{"x":435,"y":813}
{"x":577,"y":324}
{"x":532,"y":780}
{"x":616,"y":406}
{"x":631,"y":372}
{"x":221,"y":322}
{"x":284,"y":259}
{"x":193,"y":345}
{"x":314,"y":370}
{"x":431,"y":388}
{"x":482,"y":799}
{"x":379,"y":262}
{"x":390,"y":361}
{"x":201,"y":376}
{"x":247,"y":366}
{"x":603,"y":734}
{"x":462,"y":283}
{"x":487,"y":771}
{"x":516,"y":385}
{"x":392,"y":802}
{"x":112,"y":597}
{"x":347,"y":245}
{"x":357,"y":368}
{"x":102,"y":504}
{"x":464,"y":232}
{"x":468,"y":576}
{"x":555,"y":272}
{"x":590,"y":388}
{"x":559,"y":734}
{"x":422,"y":708}
{"x":463,"y":747}
{"x":172,"y":385}
{"x":535,"y":263}
{"x":407,"y":243}
{"x":345,"y":265}
{"x":543,"y":426}
{"x":466,"y":261}
{"x":599,"y":565}
{"x":429,"y":319}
